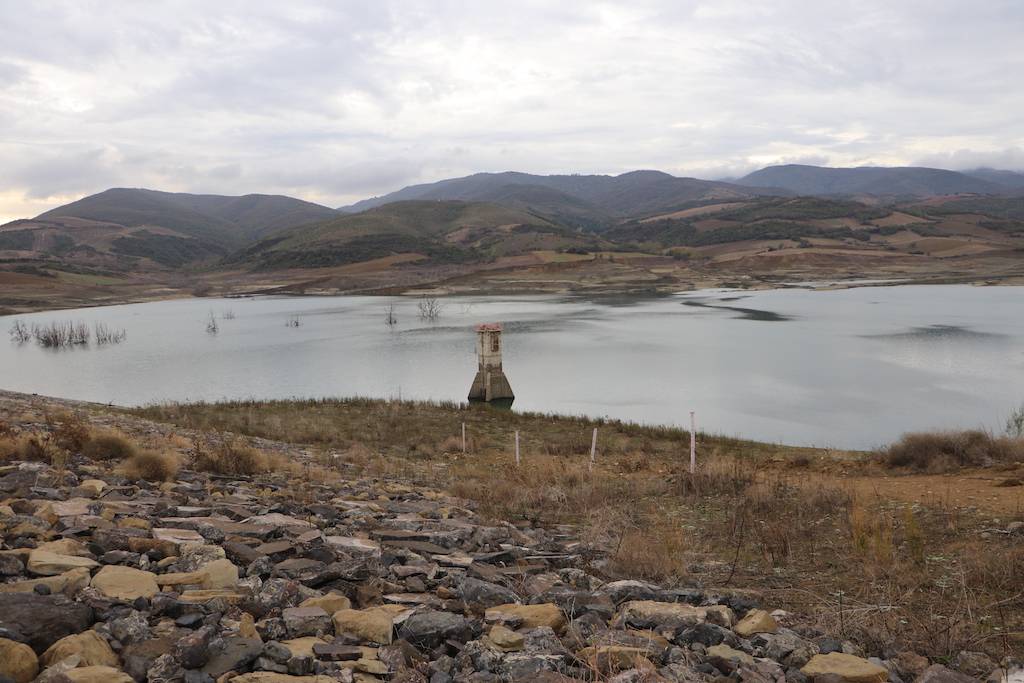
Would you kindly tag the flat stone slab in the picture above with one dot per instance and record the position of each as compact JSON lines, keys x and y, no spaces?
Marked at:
{"x":178,"y":536}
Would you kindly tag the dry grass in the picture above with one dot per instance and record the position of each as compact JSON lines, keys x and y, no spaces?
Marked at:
{"x":108,"y":445}
{"x":231,"y":457}
{"x":152,"y":466}
{"x":756,"y":516}
{"x":949,"y":451}
{"x":33,"y":447}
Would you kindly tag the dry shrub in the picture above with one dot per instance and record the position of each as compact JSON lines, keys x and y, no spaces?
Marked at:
{"x":152,"y":466}
{"x":69,"y":431}
{"x":231,"y":457}
{"x":109,"y":445}
{"x":453,"y":444}
{"x":34,"y":448}
{"x":656,"y":554}
{"x":947,"y":451}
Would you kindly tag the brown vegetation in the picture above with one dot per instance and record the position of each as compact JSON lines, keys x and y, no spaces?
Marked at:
{"x":230,"y":457}
{"x":760,"y":516}
{"x":108,"y":445}
{"x":152,"y":466}
{"x":948,"y":451}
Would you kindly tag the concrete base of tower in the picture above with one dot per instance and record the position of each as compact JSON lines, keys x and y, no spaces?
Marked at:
{"x":491,"y":385}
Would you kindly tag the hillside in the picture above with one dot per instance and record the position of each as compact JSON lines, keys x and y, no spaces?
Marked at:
{"x":879,"y":181}
{"x":585,"y":201}
{"x":438,"y":231}
{"x":228,"y":221}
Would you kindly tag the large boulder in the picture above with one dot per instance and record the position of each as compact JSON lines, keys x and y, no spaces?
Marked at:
{"x":17,"y":661}
{"x":43,"y":619}
{"x":125,"y":583}
{"x":90,"y":646}
{"x":836,"y":666}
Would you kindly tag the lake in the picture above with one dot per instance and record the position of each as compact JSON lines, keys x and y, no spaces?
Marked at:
{"x":851,"y":368}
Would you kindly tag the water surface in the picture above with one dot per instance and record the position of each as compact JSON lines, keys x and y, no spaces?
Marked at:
{"x":848,"y":368}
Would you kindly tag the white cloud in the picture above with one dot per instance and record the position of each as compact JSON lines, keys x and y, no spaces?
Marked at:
{"x":334,"y":101}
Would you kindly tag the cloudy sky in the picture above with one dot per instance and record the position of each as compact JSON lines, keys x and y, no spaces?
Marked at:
{"x":338,"y":100}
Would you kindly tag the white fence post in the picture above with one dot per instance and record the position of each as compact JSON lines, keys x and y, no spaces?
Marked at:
{"x":693,"y":443}
{"x":517,"y":448}
{"x":593,"y":449}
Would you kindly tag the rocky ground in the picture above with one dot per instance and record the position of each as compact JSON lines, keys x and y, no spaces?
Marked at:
{"x":274,"y":578}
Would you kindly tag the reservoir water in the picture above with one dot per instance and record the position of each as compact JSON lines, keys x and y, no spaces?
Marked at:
{"x":851,"y":368}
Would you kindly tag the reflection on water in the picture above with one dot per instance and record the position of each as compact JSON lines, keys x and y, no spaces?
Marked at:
{"x":845,"y":368}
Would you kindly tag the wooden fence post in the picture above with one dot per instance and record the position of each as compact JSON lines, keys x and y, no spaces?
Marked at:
{"x":463,"y":438}
{"x":517,"y":448}
{"x":693,"y":444}
{"x":593,"y":449}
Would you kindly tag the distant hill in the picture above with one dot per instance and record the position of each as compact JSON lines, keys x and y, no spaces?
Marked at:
{"x":442,"y":231}
{"x":123,"y":230}
{"x":585,"y":201}
{"x":228,"y":221}
{"x":869,"y":180}
{"x":1011,"y":180}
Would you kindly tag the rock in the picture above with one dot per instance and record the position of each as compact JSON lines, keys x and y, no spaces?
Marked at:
{"x":614,"y":658}
{"x":178,"y":537}
{"x":727,"y":659}
{"x":193,"y":650}
{"x":909,"y":665}
{"x":356,"y":546}
{"x":527,"y":616}
{"x":68,"y":583}
{"x":98,"y":674}
{"x":234,"y":654}
{"x":505,"y":639}
{"x":756,"y":621}
{"x":17,"y":661}
{"x":43,"y":619}
{"x":45,"y":563}
{"x":271,"y":677}
{"x":936,"y":673}
{"x":651,"y":614}
{"x":330,"y":603}
{"x":125,"y":583}
{"x":11,"y":565}
{"x":375,"y":624}
{"x":974,"y":663}
{"x":474,"y":591}
{"x":426,"y":630}
{"x":130,"y":629}
{"x":90,"y":646}
{"x":846,"y":668}
{"x":337,"y":652}
{"x":306,"y":621}
{"x":92,"y":487}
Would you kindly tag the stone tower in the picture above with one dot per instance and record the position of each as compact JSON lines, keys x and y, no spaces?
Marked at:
{"x":490,"y":383}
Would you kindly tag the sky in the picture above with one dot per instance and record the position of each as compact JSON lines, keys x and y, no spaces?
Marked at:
{"x":337,"y":101}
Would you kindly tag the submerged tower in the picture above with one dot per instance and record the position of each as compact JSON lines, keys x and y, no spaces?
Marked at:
{"x":490,"y":383}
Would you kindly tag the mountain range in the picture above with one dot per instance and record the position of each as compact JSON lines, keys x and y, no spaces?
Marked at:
{"x":488,"y":216}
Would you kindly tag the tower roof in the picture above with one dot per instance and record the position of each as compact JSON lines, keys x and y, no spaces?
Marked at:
{"x":488,"y":327}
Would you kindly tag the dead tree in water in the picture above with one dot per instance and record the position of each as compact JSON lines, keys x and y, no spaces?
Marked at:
{"x":211,"y":325}
{"x":20,"y":332}
{"x":430,"y":308}
{"x":389,"y":316}
{"x":293,"y":321}
{"x":108,"y":335}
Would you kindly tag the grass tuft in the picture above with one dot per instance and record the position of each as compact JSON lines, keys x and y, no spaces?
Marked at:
{"x":152,"y":466}
{"x":949,"y":451}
